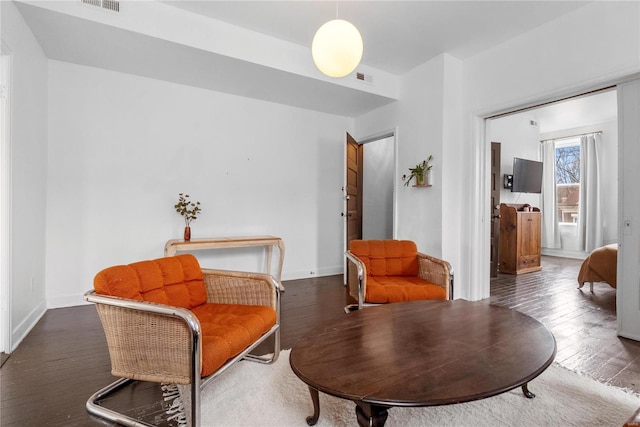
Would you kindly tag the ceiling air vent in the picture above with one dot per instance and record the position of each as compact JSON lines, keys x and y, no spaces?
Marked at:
{"x":364,"y":77}
{"x":112,"y":5}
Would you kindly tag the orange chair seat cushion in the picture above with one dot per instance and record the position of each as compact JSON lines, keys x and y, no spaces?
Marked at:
{"x":384,"y":289}
{"x":227,"y":329}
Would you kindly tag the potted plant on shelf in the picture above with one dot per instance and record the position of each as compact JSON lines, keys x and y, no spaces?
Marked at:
{"x":421,"y":173}
{"x":189,"y":210}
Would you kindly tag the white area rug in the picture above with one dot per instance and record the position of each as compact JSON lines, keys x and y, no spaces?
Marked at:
{"x":252,"y":394}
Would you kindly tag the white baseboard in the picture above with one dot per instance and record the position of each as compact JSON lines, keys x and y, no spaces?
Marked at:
{"x":628,"y":335}
{"x":308,"y":274}
{"x":21,"y":330}
{"x":62,"y":301}
{"x":564,"y":254}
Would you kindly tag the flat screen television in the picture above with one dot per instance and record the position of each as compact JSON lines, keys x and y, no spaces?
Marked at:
{"x":527,"y":176}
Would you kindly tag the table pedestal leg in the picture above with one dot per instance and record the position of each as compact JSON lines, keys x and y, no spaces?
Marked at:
{"x":315,"y":398}
{"x":371,"y":415}
{"x":527,"y":393}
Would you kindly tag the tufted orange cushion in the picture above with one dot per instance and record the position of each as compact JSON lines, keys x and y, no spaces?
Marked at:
{"x":384,"y":289}
{"x":227,"y":329}
{"x":387,"y":257}
{"x":174,"y":281}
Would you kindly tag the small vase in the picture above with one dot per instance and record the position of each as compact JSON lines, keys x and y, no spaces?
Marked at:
{"x":420,"y":180}
{"x":429,"y":178}
{"x":187,"y":233}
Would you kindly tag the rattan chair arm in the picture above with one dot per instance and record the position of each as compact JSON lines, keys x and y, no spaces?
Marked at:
{"x":436,"y":271}
{"x":151,"y":307}
{"x":240,"y":287}
{"x":149,"y":341}
{"x":356,"y":278}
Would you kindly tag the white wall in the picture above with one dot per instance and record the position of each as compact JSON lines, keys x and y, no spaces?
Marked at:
{"x":517,"y":138}
{"x":628,"y":298}
{"x":454,"y":191}
{"x":377,"y":194}
{"x":28,"y":151}
{"x":418,"y":117}
{"x":582,"y":50}
{"x":122,"y":147}
{"x":427,"y":117}
{"x":589,"y":46}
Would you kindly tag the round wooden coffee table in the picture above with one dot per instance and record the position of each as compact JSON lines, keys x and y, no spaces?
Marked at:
{"x":421,"y":353}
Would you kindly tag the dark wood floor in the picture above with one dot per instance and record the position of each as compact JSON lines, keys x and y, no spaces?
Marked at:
{"x":64,"y":359}
{"x":583,"y":323}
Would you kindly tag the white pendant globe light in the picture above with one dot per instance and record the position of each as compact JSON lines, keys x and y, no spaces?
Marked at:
{"x":337,"y":48}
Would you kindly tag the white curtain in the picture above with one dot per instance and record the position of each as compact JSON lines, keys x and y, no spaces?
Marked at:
{"x":590,"y":216}
{"x":550,"y":230}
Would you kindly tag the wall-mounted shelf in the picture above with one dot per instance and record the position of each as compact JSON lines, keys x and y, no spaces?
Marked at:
{"x":422,"y":185}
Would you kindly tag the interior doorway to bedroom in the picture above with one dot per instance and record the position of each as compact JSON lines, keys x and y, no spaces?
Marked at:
{"x":552,"y":134}
{"x":551,"y":295}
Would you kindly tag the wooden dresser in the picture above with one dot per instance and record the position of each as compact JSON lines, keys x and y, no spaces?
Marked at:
{"x":520,"y":237}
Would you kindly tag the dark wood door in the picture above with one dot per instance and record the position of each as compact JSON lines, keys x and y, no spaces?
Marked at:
{"x":354,"y":190}
{"x":495,"y":208}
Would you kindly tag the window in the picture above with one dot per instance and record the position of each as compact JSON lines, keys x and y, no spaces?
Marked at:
{"x":568,"y":180}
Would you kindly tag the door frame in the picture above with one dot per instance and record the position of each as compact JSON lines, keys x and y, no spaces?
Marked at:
{"x":377,"y":137}
{"x":627,"y":309}
{"x":370,"y":138}
{"x":5,"y":201}
{"x":348,"y":192}
{"x":494,"y":218}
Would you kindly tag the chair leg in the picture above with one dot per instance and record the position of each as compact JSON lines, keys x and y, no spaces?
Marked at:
{"x":351,"y":307}
{"x":94,"y":408}
{"x":276,"y":351}
{"x":196,"y":385}
{"x":100,"y":411}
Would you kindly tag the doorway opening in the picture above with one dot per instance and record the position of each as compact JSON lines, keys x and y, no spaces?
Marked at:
{"x":377,"y":191}
{"x":527,"y":134}
{"x":373,"y":160}
{"x":542,"y":134}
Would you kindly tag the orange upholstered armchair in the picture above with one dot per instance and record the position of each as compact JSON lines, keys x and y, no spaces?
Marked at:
{"x":383,"y":271}
{"x":169,"y":321}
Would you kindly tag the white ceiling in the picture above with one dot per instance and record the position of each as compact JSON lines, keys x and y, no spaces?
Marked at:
{"x":574,"y":113}
{"x":398,"y":35}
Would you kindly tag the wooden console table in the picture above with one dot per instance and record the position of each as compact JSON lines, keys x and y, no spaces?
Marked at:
{"x":268,"y":242}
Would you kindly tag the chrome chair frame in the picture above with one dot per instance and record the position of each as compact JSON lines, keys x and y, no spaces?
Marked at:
{"x":197,"y":383}
{"x":362,"y":271}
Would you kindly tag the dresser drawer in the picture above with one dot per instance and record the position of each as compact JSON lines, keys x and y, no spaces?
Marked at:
{"x":528,"y":261}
